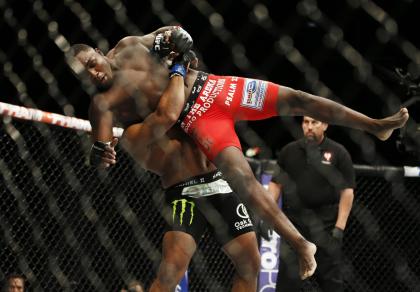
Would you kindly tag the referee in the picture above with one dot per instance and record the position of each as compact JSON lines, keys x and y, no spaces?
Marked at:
{"x":316,"y":180}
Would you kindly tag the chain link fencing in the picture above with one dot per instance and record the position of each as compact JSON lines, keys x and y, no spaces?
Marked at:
{"x":68,"y":227}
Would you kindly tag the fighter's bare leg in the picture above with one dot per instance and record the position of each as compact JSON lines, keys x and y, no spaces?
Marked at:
{"x":243,"y":251}
{"x":296,"y":103}
{"x":238,"y":173}
{"x":177,"y":251}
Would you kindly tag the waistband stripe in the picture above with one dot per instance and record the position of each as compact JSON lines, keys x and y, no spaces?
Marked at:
{"x":200,"y":179}
{"x":195,"y":92}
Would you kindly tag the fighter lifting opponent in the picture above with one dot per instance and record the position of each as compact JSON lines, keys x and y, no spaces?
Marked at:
{"x":210,"y":105}
{"x":196,"y":197}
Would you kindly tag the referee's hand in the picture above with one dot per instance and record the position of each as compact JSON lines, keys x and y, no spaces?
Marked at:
{"x":338,"y":234}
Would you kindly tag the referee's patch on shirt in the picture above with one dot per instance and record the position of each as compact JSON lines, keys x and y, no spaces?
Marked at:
{"x":254,"y":94}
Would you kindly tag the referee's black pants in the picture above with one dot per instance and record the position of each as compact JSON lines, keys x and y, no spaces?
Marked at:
{"x":316,"y":226}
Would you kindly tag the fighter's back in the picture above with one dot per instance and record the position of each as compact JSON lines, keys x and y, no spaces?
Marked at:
{"x":174,"y":157}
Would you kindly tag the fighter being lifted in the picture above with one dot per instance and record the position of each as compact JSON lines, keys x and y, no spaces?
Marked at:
{"x":206,"y":108}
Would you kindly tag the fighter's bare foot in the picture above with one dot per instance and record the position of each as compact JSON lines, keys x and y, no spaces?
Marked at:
{"x":389,"y":124}
{"x":307,"y":263}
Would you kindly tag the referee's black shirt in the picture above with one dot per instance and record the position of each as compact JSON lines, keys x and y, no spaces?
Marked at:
{"x":312,"y":176}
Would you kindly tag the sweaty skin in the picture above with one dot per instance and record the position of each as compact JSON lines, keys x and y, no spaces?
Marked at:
{"x":174,"y":157}
{"x":132,"y":97}
{"x":139,"y":80}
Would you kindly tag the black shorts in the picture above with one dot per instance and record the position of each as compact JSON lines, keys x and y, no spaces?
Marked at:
{"x":206,"y":201}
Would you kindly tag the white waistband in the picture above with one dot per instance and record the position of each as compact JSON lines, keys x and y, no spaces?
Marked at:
{"x":219,"y":186}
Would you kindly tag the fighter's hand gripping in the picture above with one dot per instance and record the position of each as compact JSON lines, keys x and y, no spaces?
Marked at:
{"x":102,"y":154}
{"x":181,"y":40}
{"x":176,"y":41}
{"x":182,"y":63}
{"x":189,"y":59}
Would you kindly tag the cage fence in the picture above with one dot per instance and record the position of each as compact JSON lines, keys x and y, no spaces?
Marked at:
{"x":69,"y":227}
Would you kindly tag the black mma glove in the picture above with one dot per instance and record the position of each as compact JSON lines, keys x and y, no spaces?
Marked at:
{"x":189,"y":59}
{"x":162,"y":45}
{"x":264,"y":229}
{"x":96,"y":153}
{"x":338,"y":234}
{"x":176,"y":40}
{"x":181,"y":40}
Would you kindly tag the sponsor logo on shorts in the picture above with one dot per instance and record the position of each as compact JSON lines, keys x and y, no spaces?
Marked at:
{"x":217,"y":174}
{"x":183,"y":204}
{"x":242,"y":212}
{"x":254,"y":94}
{"x":204,"y":77}
{"x":204,"y":102}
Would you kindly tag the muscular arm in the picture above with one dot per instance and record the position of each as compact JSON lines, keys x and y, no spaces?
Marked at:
{"x":146,"y":40}
{"x":155,"y":124}
{"x":344,"y":207}
{"x":100,"y":112}
{"x":345,"y":167}
{"x":167,"y":112}
{"x":138,"y":137}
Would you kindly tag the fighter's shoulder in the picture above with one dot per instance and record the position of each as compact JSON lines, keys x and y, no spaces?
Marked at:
{"x":129,"y":79}
{"x":127,"y":42}
{"x":128,"y":76}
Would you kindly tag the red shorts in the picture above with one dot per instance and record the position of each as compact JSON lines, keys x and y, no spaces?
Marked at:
{"x":222,"y":100}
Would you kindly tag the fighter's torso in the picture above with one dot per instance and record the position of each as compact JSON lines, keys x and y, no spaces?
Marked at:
{"x":175,"y":157}
{"x":143,"y":76}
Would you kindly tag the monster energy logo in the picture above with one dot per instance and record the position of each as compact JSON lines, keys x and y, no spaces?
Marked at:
{"x":184,"y":203}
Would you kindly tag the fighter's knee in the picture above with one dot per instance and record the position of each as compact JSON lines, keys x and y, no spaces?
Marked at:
{"x":166,"y":280}
{"x":249,"y":267}
{"x":250,"y":270}
{"x":170,"y":273}
{"x":255,"y":263}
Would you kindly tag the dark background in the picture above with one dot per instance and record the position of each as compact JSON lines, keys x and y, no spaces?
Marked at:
{"x":282,"y":41}
{"x":49,"y":195}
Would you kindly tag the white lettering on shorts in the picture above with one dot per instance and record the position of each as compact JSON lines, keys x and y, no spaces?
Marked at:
{"x":243,"y":224}
{"x":242,"y":213}
{"x":203,"y":102}
{"x":254,"y":94}
{"x":231,"y":91}
{"x":219,"y":186}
